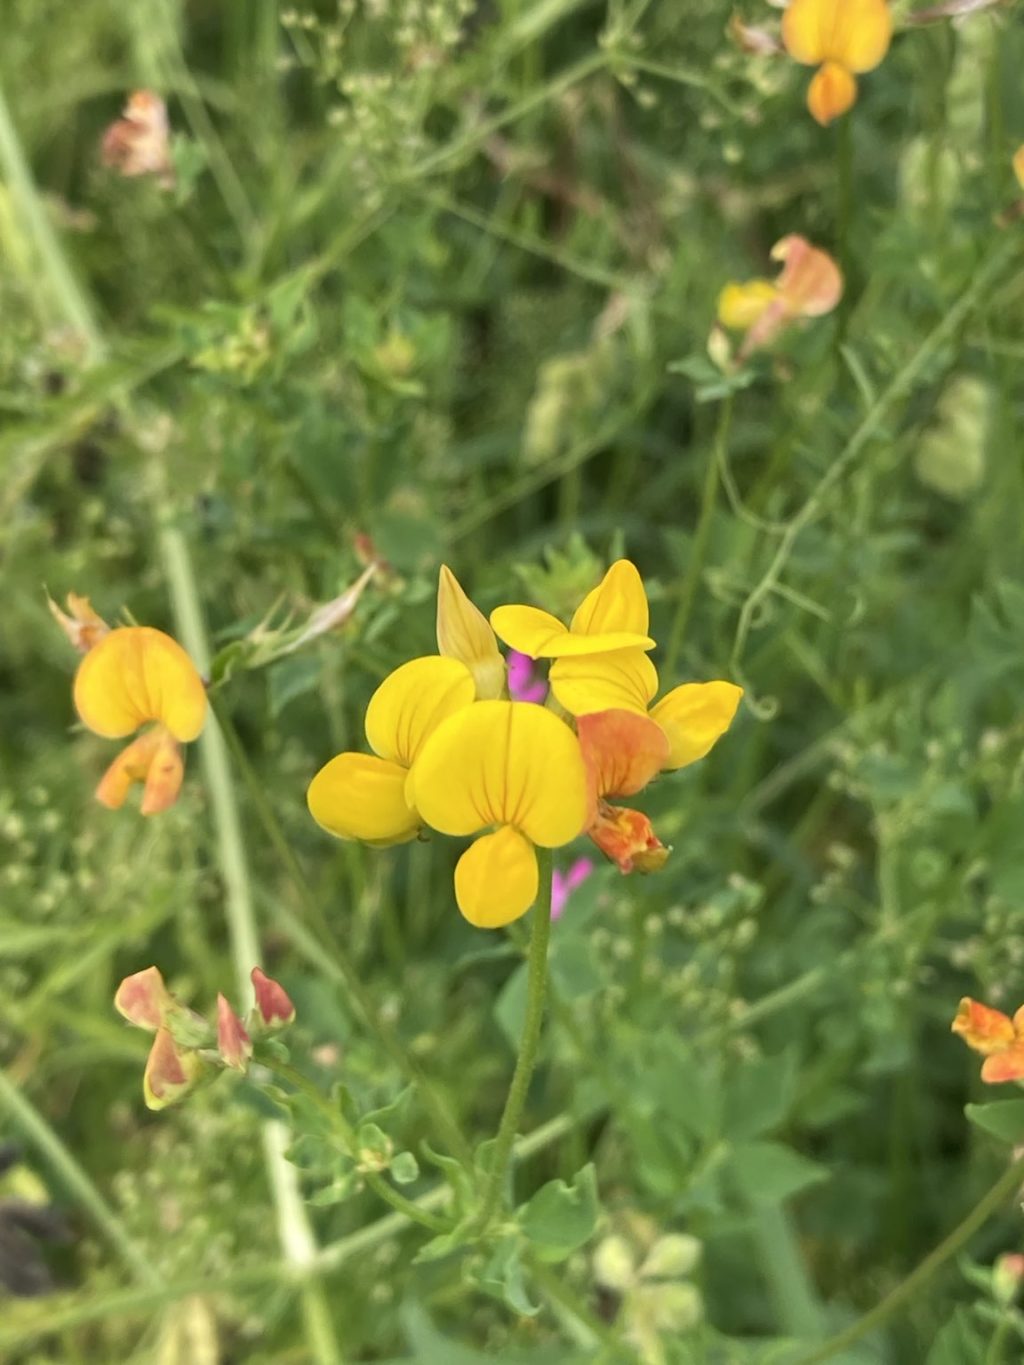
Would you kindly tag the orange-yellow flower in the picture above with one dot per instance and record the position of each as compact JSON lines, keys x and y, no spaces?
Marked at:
{"x":137,"y":676}
{"x":363,"y":796}
{"x":612,"y":616}
{"x":998,"y":1038}
{"x":514,"y":769}
{"x":622,"y":751}
{"x":843,"y":39}
{"x":809,"y":285}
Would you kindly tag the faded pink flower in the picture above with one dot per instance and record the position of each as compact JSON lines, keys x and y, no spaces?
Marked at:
{"x":565,"y":883}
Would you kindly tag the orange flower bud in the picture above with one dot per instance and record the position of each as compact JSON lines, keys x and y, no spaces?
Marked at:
{"x":273,"y":1005}
{"x":233,"y":1043}
{"x":143,"y":999}
{"x":83,"y":627}
{"x":171,"y":1072}
{"x":626,"y":837}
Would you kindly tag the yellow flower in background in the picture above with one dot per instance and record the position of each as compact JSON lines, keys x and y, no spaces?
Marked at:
{"x":463,"y":633}
{"x":810,"y":284}
{"x":511,"y":765}
{"x":363,"y":796}
{"x":136,"y":676}
{"x":1018,"y":166}
{"x":614,"y":615}
{"x":843,"y":38}
{"x":998,"y":1038}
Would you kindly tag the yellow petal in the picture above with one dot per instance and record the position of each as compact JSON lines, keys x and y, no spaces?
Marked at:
{"x":412,"y":702}
{"x":618,"y":604}
{"x":496,"y":878}
{"x":694,"y":717}
{"x":528,"y":629}
{"x":740,"y":305}
{"x":357,"y":796}
{"x":621,"y":751}
{"x":831,"y":93}
{"x":1018,"y":166}
{"x":502,"y":763}
{"x":137,"y":674}
{"x":853,"y":33}
{"x":624,"y":679}
{"x":463,"y":633}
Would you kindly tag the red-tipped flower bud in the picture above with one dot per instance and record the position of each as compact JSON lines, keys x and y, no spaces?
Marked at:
{"x":171,"y":1072}
{"x":273,"y":1005}
{"x":233,"y":1043}
{"x":143,"y":999}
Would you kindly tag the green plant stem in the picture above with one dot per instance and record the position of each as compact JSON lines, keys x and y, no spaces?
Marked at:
{"x":529,"y":1044}
{"x":337,"y":1120}
{"x":346,"y":969}
{"x":294,"y":1231}
{"x":947,"y":1248}
{"x":35,"y":1129}
{"x":701,"y":536}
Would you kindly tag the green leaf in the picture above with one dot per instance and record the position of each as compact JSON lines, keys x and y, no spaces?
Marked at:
{"x":758,"y":1096}
{"x":768,"y":1173}
{"x":404,"y":1168}
{"x":1004,"y":1119}
{"x":504,"y":1277}
{"x":560,"y":1217}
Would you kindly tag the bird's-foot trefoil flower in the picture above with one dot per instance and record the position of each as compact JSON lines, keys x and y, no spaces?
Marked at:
{"x":463,"y":633}
{"x":998,"y":1038}
{"x":843,"y":39}
{"x":809,"y":285}
{"x":364,"y":796}
{"x":612,"y":616}
{"x":512,"y":769}
{"x":132,"y":677}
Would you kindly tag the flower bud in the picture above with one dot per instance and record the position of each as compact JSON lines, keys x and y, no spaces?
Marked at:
{"x":463,"y":633}
{"x":171,"y":1072}
{"x":233,"y":1043}
{"x":143,"y":999}
{"x":273,"y":1005}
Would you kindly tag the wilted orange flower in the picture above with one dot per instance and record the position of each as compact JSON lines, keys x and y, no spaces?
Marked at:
{"x":134,"y":676}
{"x":138,"y":143}
{"x":622,"y":751}
{"x":809,"y":285}
{"x":998,"y":1038}
{"x":84,"y":628}
{"x":843,"y":38}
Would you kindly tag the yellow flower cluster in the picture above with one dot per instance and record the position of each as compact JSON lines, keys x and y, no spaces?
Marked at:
{"x":452,"y":753}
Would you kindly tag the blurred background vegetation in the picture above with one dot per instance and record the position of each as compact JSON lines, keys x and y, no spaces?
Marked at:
{"x":442,"y":274}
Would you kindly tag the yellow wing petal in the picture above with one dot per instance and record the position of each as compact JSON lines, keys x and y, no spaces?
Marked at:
{"x":694,"y":716}
{"x":412,"y":702}
{"x":624,"y":679}
{"x":463,"y":633}
{"x":137,"y":674}
{"x":358,"y":796}
{"x":618,"y":604}
{"x":496,"y":878}
{"x":502,"y":763}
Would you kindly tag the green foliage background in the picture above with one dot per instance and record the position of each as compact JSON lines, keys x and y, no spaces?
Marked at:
{"x":443,"y":274}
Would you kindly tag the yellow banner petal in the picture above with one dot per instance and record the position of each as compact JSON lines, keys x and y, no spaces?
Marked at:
{"x":496,"y":878}
{"x":135,"y":675}
{"x":623,"y":679}
{"x":358,"y":796}
{"x":412,"y":702}
{"x":617,"y":604}
{"x":463,"y":633}
{"x":694,"y":716}
{"x":502,"y":763}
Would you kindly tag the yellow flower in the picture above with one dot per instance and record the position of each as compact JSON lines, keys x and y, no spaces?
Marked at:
{"x":1018,"y":165}
{"x":810,"y":285}
{"x":511,"y":765}
{"x":363,"y":796}
{"x":843,"y":38}
{"x":463,"y":633}
{"x":693,"y":716}
{"x":136,"y":676}
{"x":612,"y":616}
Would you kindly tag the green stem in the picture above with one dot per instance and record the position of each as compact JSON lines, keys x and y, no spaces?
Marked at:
{"x":340,"y":959}
{"x":529,"y":1045}
{"x":947,"y":1248}
{"x":294,"y":1231}
{"x":337,"y":1120}
{"x":39,"y":1133}
{"x":701,"y":536}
